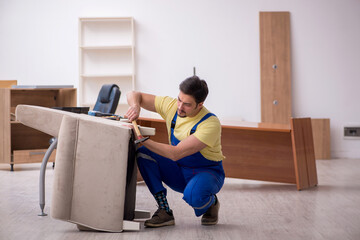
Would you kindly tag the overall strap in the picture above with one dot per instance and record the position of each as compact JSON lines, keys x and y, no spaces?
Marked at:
{"x":174,"y":141}
{"x":173,"y":121}
{"x":203,"y":119}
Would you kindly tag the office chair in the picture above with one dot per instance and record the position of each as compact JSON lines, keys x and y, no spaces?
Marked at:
{"x":108,"y":99}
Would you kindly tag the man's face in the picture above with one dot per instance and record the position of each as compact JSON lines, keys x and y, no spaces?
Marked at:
{"x":187,"y":106}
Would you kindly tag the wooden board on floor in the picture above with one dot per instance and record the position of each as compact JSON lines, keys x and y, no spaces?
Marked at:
{"x":303,"y":152}
{"x":321,"y":134}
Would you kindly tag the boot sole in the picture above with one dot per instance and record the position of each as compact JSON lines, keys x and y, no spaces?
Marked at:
{"x":154,"y":225}
{"x":209,"y":223}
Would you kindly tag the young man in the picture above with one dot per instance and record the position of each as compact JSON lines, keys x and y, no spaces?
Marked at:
{"x":192,"y":162}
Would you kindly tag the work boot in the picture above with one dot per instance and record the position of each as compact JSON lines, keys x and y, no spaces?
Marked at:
{"x":210,"y":217}
{"x":160,"y":218}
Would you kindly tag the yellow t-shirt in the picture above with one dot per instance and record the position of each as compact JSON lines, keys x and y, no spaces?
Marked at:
{"x":208,"y":132}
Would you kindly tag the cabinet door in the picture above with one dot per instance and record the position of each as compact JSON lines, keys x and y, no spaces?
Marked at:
{"x":275,"y":68}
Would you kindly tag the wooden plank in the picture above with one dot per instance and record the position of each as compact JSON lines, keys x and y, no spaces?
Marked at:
{"x":275,"y":81}
{"x":7,"y":83}
{"x":321,"y":135}
{"x":2,"y":124}
{"x":303,"y":152}
{"x":310,"y":153}
{"x":299,"y":155}
{"x":5,"y":139}
{"x":161,"y":132}
{"x":254,"y":126}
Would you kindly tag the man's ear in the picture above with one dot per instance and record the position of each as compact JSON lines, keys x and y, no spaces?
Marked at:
{"x":200,"y":105}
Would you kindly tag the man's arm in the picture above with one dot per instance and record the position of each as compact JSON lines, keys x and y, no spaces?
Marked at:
{"x":138,"y":100}
{"x":186,"y":147}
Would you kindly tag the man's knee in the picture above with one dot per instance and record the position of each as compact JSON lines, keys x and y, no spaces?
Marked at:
{"x":196,"y":196}
{"x":200,"y":188}
{"x":193,"y":199}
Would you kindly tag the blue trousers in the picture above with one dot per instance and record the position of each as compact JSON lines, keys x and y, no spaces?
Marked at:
{"x":198,"y":184}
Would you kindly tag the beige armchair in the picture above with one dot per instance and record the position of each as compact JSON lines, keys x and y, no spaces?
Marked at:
{"x":95,"y":174}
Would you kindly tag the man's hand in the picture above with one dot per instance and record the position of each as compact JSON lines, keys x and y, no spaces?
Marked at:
{"x":133,"y":113}
{"x":136,"y":101}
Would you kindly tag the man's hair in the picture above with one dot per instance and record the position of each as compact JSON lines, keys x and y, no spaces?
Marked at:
{"x":195,"y":87}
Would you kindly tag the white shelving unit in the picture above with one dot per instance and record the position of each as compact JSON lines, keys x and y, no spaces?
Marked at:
{"x":106,"y":54}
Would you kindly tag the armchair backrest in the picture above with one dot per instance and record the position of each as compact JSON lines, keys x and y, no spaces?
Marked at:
{"x":108,"y":99}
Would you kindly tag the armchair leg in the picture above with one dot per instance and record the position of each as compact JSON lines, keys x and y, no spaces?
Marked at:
{"x":42,"y":176}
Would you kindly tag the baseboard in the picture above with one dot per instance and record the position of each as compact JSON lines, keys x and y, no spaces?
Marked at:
{"x":352,"y":154}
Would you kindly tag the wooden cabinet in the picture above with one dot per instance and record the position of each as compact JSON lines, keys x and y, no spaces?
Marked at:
{"x":106,"y":52}
{"x":262,"y":151}
{"x":19,"y":143}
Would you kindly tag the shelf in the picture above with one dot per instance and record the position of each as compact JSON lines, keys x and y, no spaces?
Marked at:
{"x":107,"y":62}
{"x":106,"y":47}
{"x":105,"y":19}
{"x":106,"y":75}
{"x":106,"y":52}
{"x":106,"y":32}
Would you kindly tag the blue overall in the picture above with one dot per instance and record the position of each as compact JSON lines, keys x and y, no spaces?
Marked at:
{"x":198,"y":178}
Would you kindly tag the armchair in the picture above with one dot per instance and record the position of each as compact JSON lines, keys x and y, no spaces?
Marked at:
{"x":95,"y":174}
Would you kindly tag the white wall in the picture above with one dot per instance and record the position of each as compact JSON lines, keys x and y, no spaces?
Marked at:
{"x":39,"y":40}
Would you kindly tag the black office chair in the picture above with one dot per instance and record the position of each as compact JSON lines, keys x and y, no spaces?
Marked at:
{"x":108,"y":99}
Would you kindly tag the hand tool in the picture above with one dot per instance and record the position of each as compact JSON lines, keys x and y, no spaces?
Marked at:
{"x":139,"y":137}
